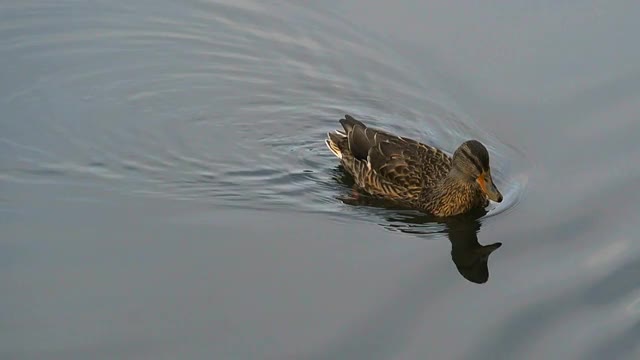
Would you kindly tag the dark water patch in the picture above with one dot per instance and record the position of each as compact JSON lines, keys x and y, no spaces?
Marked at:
{"x":620,"y":283}
{"x":621,"y":345}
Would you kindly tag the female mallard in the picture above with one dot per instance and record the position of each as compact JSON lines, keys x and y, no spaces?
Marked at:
{"x":412,"y":173}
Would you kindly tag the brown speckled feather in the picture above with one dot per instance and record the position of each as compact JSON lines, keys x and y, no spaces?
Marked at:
{"x":401,"y":169}
{"x":388,"y":165}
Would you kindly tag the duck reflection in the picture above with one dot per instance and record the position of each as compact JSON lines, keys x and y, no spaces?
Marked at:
{"x":469,"y":256}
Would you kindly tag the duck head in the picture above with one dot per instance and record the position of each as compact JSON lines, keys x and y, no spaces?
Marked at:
{"x":471,"y":163}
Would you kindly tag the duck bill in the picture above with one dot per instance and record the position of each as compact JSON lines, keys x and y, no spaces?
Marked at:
{"x":489,"y":188}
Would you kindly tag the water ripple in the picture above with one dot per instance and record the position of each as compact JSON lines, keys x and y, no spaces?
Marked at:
{"x":231,"y":110}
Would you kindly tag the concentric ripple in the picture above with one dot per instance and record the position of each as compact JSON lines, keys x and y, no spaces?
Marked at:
{"x":231,"y":109}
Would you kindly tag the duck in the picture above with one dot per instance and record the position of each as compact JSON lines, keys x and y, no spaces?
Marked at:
{"x":414,"y":174}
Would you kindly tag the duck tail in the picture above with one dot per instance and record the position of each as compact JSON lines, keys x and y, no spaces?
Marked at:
{"x":333,"y":140}
{"x":349,"y":122}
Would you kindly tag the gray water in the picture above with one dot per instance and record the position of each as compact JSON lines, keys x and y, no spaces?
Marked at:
{"x":165,"y":192}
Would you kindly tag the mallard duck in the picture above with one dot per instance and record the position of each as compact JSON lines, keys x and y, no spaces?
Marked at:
{"x":412,"y":173}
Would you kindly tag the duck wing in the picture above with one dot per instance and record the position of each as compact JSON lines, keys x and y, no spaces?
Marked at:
{"x":401,"y":161}
{"x":362,"y":138}
{"x":397,"y":163}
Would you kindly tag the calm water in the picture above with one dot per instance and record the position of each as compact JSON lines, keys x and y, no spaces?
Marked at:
{"x":165,"y":191}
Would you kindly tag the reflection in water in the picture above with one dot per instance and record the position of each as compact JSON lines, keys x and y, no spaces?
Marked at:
{"x":468,"y":255}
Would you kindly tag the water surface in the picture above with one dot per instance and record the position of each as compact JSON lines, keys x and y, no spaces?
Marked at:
{"x":165,"y":191}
